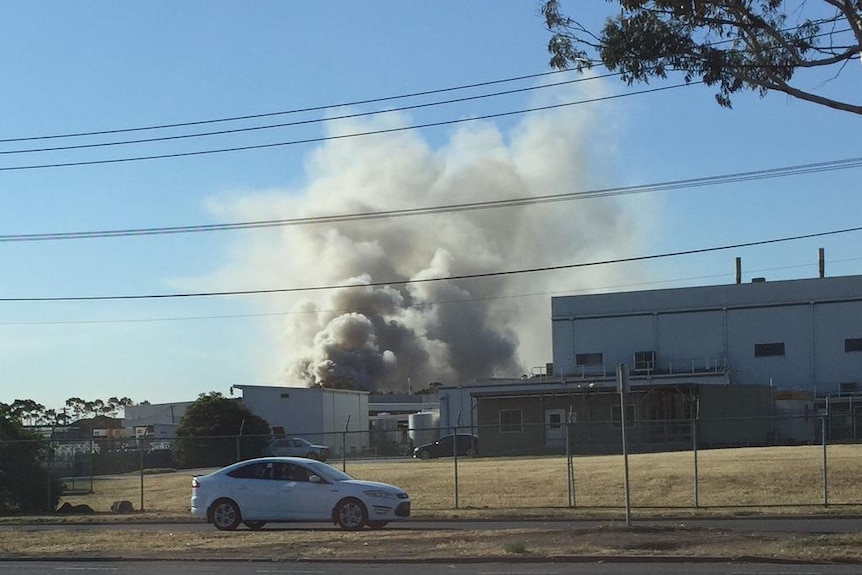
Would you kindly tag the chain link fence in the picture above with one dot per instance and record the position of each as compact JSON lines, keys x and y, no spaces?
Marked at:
{"x":571,"y":465}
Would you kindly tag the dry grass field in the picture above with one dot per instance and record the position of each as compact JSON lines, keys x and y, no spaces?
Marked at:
{"x":750,"y":477}
{"x":790,"y":477}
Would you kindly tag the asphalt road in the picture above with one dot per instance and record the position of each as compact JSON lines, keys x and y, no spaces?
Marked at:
{"x":258,"y":568}
{"x":810,"y":525}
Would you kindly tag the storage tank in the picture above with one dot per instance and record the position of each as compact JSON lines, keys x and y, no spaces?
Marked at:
{"x":423,"y":427}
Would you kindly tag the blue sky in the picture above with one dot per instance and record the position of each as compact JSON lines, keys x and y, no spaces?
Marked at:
{"x":92,"y":66}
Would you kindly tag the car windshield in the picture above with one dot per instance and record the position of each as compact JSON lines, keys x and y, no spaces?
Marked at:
{"x":301,"y":442}
{"x":328,"y":472}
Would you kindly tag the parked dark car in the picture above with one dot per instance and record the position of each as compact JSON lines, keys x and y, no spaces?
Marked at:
{"x":466,"y":444}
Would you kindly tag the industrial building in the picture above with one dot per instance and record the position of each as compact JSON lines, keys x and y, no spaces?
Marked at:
{"x":751,"y":363}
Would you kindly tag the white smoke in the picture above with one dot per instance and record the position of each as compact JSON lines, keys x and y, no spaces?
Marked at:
{"x":449,"y":331}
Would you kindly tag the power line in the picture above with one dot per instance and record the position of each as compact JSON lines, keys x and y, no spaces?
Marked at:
{"x":284,"y":112}
{"x":419,"y":305}
{"x":342,"y":136}
{"x":795,"y":170}
{"x":300,"y":122}
{"x":436,"y":279}
{"x":322,"y":107}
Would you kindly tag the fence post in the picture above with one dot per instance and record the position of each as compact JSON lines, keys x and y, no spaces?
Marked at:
{"x":570,"y":466}
{"x":694,"y":449}
{"x":51,"y":470}
{"x":141,"y":451}
{"x":455,"y":460}
{"x":92,"y":456}
{"x":623,"y":384}
{"x":344,"y":444}
{"x":825,"y":474}
{"x":344,"y":451}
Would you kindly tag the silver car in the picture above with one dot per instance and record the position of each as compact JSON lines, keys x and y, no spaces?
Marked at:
{"x":297,"y":447}
{"x":281,"y":489}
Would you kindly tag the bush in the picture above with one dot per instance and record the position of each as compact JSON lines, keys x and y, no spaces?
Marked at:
{"x":216,"y":431}
{"x":26,"y":486}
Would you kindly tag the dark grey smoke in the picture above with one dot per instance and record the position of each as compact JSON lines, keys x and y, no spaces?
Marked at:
{"x":443,"y":331}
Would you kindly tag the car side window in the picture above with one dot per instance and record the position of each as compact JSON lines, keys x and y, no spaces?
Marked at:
{"x":251,"y":471}
{"x":290,"y":472}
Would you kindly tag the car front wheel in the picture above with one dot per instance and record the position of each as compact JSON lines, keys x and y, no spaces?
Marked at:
{"x":424,"y":454}
{"x":350,"y":514}
{"x":226,"y":515}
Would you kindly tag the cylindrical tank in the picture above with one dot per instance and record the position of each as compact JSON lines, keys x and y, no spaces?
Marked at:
{"x":423,"y":427}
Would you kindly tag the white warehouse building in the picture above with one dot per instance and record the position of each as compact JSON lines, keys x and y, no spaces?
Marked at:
{"x":337,"y":418}
{"x":799,"y":335}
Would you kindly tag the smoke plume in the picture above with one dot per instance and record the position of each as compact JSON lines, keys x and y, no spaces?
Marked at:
{"x":380,"y":337}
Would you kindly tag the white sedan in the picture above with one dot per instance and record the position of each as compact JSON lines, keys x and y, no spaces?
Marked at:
{"x":275,"y":489}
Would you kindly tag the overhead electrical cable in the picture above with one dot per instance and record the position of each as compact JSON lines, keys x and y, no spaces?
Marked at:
{"x":297,"y":122}
{"x":434,"y":279}
{"x":340,"y":136}
{"x":795,"y":170}
{"x":323,"y":107}
{"x":317,"y":108}
{"x":425,"y":304}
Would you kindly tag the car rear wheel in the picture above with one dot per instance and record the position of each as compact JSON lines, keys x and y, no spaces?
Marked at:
{"x":226,"y":515}
{"x":311,"y":455}
{"x":255,"y":525}
{"x":377,"y":524}
{"x":350,"y":514}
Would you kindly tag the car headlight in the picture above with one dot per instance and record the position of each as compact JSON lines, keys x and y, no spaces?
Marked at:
{"x":380,"y":493}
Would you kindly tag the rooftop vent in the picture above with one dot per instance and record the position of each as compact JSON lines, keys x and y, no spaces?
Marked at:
{"x":758,"y":280}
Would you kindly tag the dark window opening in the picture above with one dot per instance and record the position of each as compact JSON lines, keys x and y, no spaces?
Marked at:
{"x":853,"y":344}
{"x":588,"y":359}
{"x":511,"y":420}
{"x":768,"y":349}
{"x":644,"y":360}
{"x":847,"y":388}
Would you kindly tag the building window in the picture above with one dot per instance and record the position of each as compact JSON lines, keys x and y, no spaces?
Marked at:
{"x":853,"y":344}
{"x":847,"y":388}
{"x":511,"y":420}
{"x":768,"y":349}
{"x":630,"y":415}
{"x":588,"y":359}
{"x":644,"y":361}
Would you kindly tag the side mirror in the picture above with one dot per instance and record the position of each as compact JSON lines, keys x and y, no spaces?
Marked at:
{"x":314,"y":479}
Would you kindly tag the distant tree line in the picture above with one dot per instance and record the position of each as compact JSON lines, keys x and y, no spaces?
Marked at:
{"x":32,"y":413}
